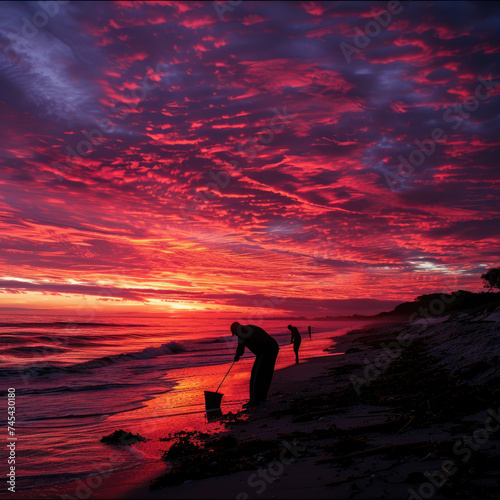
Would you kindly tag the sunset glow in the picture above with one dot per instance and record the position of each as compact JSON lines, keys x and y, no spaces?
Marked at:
{"x":189,"y":158}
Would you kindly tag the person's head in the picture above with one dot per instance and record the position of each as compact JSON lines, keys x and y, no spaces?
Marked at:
{"x":290,"y":327}
{"x":235,"y":327}
{"x":241,"y":331}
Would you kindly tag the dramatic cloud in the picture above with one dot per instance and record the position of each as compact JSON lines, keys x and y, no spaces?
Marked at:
{"x":278,"y":156}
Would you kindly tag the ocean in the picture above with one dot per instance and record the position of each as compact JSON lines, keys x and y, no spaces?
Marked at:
{"x":76,"y":382}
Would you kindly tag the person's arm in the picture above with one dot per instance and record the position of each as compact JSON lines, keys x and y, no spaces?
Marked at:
{"x":240,"y":349}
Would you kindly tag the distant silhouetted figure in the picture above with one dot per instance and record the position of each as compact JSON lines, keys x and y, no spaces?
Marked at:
{"x":309,"y":330}
{"x":296,"y":340}
{"x":266,"y":351}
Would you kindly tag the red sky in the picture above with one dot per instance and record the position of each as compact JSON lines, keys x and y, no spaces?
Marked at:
{"x":206,"y":158}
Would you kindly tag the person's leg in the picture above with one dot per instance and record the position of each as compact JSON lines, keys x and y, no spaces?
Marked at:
{"x":266,"y":374}
{"x":296,"y":346}
{"x":254,"y":378}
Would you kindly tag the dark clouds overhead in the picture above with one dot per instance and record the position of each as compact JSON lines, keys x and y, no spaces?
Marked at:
{"x":150,"y":146}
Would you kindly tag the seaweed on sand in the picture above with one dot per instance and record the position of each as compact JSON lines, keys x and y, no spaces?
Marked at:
{"x":181,"y":448}
{"x":216,"y":457}
{"x":189,"y":434}
{"x":230,"y":418}
{"x":121,"y":437}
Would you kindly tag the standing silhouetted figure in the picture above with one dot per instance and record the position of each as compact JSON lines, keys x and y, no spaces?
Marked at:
{"x":309,"y":330}
{"x":266,"y":351}
{"x":296,"y":340}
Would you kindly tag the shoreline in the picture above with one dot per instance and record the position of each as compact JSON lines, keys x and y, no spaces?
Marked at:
{"x":133,"y":482}
{"x":363,"y":424}
{"x":179,"y":408}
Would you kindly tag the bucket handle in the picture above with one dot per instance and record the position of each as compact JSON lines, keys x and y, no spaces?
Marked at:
{"x":225,"y":377}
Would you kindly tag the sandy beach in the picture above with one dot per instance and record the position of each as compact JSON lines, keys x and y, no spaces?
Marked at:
{"x":390,"y":411}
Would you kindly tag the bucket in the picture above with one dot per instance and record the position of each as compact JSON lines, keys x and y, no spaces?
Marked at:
{"x":212,"y":400}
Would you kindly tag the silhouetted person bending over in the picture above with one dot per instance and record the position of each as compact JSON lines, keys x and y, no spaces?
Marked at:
{"x":296,"y":340}
{"x":266,"y":351}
